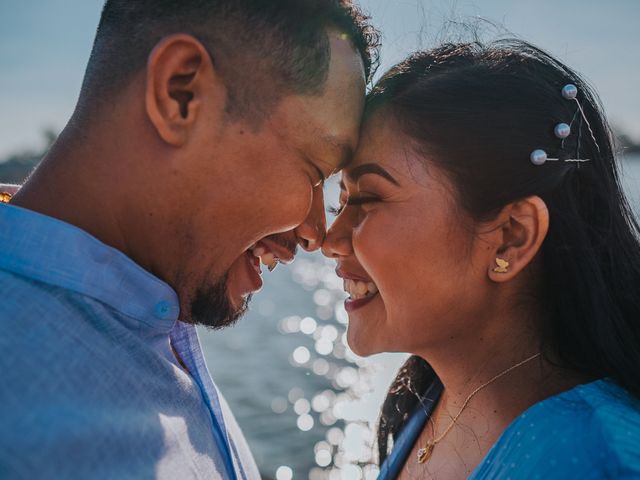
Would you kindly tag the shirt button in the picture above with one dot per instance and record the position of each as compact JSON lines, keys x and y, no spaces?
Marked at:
{"x":162,"y":310}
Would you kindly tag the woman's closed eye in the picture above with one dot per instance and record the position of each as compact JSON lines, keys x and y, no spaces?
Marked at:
{"x":353,"y":201}
{"x":335,"y":210}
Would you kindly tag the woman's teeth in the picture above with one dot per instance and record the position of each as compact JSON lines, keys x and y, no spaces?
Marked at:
{"x":267,"y":258}
{"x":357,"y":289}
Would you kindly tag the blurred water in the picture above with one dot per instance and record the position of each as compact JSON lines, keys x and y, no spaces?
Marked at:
{"x":631,"y":180}
{"x":307,"y":405}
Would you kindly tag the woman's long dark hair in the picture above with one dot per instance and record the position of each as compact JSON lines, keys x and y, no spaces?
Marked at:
{"x":479,"y":111}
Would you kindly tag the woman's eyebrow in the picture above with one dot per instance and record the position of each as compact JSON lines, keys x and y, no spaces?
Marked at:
{"x":355,"y":173}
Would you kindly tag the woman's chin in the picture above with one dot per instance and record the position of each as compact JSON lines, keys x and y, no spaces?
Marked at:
{"x":365,"y":333}
{"x":361,"y":344}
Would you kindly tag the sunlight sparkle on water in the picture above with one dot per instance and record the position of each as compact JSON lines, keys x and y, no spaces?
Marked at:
{"x":344,"y":410}
{"x":308,"y":325}
{"x":305,"y":422}
{"x":301,"y":355}
{"x":302,"y":406}
{"x":284,"y":473}
{"x":279,"y":405}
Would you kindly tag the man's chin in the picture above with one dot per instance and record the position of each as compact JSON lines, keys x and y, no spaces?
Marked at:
{"x":211,"y":306}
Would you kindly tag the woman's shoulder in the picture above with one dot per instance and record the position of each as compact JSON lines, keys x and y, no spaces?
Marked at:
{"x":592,"y":430}
{"x":602,"y":403}
{"x":613,"y":413}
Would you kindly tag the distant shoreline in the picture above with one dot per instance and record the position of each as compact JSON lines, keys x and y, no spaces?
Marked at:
{"x":16,"y":168}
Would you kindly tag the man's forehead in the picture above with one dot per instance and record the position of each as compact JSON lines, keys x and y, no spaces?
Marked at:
{"x":343,"y":150}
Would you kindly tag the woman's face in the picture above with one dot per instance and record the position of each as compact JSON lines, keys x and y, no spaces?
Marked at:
{"x":416,"y":273}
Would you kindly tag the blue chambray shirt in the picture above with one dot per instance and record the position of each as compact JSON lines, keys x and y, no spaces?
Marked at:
{"x":89,"y":386}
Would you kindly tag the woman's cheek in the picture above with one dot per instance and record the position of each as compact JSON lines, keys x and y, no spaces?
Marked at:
{"x":372,"y":249}
{"x":365,"y":227}
{"x":363,"y":242}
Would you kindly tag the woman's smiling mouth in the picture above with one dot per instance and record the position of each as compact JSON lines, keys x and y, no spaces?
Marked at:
{"x":361,"y":290}
{"x":358,"y":289}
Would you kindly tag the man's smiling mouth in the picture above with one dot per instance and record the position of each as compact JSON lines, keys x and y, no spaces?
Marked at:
{"x":264,"y":256}
{"x":270,"y":252}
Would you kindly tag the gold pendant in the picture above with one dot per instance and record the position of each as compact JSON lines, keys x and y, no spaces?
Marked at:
{"x":425,"y":453}
{"x":5,"y":197}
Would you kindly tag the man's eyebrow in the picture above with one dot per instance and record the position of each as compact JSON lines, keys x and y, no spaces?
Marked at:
{"x":346,"y":154}
{"x":320,"y":173}
{"x":346,"y":151}
{"x":355,"y":173}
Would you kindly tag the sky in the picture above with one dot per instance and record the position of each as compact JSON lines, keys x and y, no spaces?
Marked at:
{"x":45,"y":45}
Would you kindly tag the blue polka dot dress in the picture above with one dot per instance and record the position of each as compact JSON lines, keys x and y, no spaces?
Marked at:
{"x":589,"y":432}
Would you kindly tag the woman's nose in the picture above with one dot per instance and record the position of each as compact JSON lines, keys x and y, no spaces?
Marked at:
{"x":337,"y":242}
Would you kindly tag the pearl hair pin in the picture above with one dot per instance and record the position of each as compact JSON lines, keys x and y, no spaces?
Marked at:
{"x":539,"y":157}
{"x":562,"y":130}
{"x":570,"y":91}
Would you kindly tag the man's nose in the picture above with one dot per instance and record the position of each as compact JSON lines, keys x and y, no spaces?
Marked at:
{"x":311,"y":232}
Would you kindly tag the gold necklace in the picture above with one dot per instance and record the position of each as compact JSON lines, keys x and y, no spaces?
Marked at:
{"x":425,"y":452}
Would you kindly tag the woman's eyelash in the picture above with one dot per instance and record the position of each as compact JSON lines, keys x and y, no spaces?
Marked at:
{"x":335,"y":210}
{"x":351,"y":201}
{"x":361,"y":200}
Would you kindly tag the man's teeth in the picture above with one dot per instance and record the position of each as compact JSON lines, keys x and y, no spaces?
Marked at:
{"x":266,"y":258}
{"x":357,"y":289}
{"x":269,"y":260}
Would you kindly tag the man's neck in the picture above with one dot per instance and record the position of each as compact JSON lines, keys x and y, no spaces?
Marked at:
{"x":71,"y":185}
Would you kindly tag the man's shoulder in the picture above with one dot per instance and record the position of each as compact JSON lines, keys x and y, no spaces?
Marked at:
{"x":22,"y":296}
{"x":35,"y":316}
{"x":48,"y":333}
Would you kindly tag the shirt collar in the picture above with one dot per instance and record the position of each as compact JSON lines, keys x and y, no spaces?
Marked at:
{"x":51,"y":251}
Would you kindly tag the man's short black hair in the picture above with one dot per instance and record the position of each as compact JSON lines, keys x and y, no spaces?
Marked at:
{"x":263,"y":48}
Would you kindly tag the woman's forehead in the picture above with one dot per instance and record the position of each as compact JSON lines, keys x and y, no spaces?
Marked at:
{"x":384,"y":150}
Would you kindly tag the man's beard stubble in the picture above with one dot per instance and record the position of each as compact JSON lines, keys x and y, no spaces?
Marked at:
{"x":212,"y":308}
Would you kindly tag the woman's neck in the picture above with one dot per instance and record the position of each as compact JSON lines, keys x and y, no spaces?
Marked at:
{"x":496,"y":375}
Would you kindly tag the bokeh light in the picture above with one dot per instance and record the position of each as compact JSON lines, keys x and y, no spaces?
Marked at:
{"x":301,"y":355}
{"x":305,"y":422}
{"x":284,"y":473}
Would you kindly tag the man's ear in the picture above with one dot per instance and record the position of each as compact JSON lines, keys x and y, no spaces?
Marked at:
{"x":521,"y":228}
{"x":180,"y":75}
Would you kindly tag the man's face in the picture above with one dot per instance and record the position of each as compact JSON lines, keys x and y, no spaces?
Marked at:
{"x":273,"y":179}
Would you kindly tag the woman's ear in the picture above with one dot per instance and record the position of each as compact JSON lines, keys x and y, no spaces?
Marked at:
{"x":521,"y":229}
{"x":180,"y":75}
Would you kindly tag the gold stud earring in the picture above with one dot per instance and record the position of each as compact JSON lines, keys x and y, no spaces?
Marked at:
{"x":502,"y":267}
